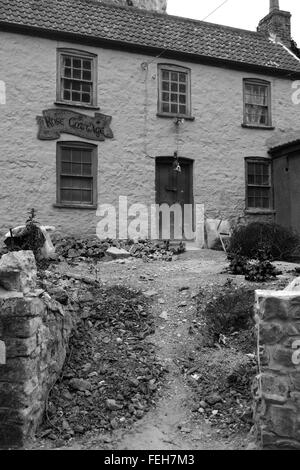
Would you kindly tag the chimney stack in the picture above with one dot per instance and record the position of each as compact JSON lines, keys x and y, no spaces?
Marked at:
{"x":159,"y":6}
{"x":274,"y":5}
{"x":277,"y":22}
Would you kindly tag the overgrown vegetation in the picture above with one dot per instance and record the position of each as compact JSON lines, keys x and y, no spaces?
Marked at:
{"x":264,"y":241}
{"x":28,"y":238}
{"x":253,"y":270}
{"x":252,"y":248}
{"x":229,"y":311}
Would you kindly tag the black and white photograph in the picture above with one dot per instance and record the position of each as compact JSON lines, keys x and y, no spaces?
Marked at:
{"x":149,"y":228}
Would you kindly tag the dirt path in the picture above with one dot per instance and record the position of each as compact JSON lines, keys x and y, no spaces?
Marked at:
{"x":171,"y":425}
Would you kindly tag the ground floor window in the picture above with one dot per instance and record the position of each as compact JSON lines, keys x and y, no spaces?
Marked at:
{"x":76,"y":174}
{"x":258,"y":183}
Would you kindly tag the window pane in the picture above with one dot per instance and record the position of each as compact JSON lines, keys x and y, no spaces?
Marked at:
{"x":166,"y":96}
{"x":86,"y":87}
{"x":182,"y":99}
{"x":165,"y":86}
{"x":87,"y":75}
{"x":76,"y":195}
{"x":76,"y":156}
{"x":174,"y":76}
{"x":165,"y":108}
{"x":67,"y":72}
{"x":76,"y":86}
{"x":76,"y":169}
{"x":75,"y":96}
{"x":174,"y":87}
{"x":66,"y":168}
{"x":174,"y":108}
{"x":87,"y":65}
{"x":165,"y":75}
{"x":86,"y":170}
{"x":66,"y":195}
{"x":86,"y":156}
{"x":67,"y":84}
{"x":87,"y":196}
{"x":86,"y":98}
{"x":67,"y":61}
{"x":66,"y":155}
{"x":77,"y":73}
{"x":182,"y":88}
{"x":77,"y":63}
{"x":182,"y":109}
{"x":73,"y":182}
{"x":182,"y":77}
{"x":174,"y":98}
{"x":67,"y":95}
{"x":256,"y":114}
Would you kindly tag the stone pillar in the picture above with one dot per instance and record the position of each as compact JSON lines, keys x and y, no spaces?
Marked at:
{"x":34,"y":335}
{"x":276,"y":389}
{"x":20,"y":320}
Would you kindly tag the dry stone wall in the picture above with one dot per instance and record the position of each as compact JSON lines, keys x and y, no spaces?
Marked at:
{"x":34,"y":335}
{"x":277,"y":388}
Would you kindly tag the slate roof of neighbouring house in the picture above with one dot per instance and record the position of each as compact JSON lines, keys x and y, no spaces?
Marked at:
{"x":115,"y":25}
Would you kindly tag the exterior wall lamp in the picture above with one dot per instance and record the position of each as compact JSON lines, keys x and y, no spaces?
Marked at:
{"x":176,"y":164}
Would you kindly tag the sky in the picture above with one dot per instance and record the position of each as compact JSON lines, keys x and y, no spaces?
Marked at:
{"x":243,"y":14}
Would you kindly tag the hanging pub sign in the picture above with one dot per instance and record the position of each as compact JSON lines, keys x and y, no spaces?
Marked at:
{"x":57,"y":121}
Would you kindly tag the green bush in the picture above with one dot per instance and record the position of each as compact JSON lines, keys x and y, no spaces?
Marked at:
{"x":264,"y":241}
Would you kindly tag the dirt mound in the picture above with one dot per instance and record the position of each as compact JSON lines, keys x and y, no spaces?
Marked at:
{"x":111,"y":375}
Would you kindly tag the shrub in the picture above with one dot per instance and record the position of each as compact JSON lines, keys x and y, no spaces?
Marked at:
{"x":260,"y":271}
{"x":230,"y":310}
{"x":254,"y":270}
{"x":264,"y":241}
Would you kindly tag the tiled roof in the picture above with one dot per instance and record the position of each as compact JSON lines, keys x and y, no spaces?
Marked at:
{"x":282,"y":140}
{"x":139,"y":28}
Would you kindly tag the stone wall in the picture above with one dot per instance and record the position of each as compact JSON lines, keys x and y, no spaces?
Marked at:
{"x":35,"y":332}
{"x":277,"y":387}
{"x":215,"y":141}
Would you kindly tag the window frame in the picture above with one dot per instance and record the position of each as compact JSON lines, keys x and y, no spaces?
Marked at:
{"x":268,"y":163}
{"x":94,"y":177}
{"x":65,"y":52}
{"x":268,"y":85}
{"x":179,"y":69}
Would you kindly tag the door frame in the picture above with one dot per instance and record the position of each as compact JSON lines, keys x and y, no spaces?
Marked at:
{"x":182,"y":160}
{"x":286,"y":150}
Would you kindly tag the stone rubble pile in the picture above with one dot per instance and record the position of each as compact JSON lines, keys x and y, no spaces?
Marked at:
{"x":72,"y":248}
{"x":112,"y":374}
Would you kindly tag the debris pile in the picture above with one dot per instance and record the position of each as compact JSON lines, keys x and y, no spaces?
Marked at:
{"x":222,"y":363}
{"x":222,"y":389}
{"x":71,"y":248}
{"x":111,"y":375}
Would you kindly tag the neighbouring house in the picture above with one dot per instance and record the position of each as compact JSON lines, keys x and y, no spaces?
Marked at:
{"x":102,"y":100}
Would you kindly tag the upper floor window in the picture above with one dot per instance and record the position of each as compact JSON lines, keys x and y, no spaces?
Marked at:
{"x":76,"y":174}
{"x":257,"y":103}
{"x":174,"y":91}
{"x":77,"y":78}
{"x":258,"y":183}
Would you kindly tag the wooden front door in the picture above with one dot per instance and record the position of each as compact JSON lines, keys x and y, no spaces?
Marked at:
{"x":286,"y":177}
{"x":173,"y":187}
